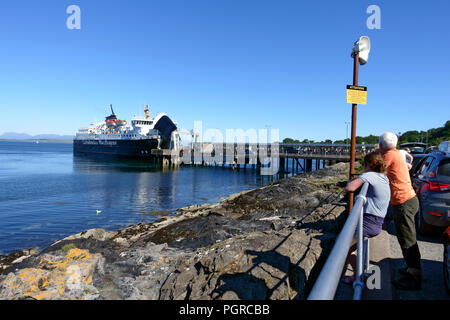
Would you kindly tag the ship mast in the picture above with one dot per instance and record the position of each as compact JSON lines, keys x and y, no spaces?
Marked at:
{"x":146,"y":112}
{"x":112,"y":116}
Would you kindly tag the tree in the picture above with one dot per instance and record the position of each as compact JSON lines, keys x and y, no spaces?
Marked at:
{"x":290,"y":140}
{"x":435,"y":136}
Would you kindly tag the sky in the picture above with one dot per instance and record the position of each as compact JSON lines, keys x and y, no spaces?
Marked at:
{"x":231,"y":64}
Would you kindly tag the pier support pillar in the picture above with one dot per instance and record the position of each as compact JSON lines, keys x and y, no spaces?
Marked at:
{"x":308,"y":165}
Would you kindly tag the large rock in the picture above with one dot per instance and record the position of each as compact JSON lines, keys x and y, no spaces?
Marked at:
{"x":66,"y":276}
{"x":258,"y":265}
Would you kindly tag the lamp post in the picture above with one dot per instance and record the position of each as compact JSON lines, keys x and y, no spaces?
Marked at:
{"x":360,"y":54}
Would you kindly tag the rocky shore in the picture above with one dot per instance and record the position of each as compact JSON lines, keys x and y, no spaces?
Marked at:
{"x":267,"y":243}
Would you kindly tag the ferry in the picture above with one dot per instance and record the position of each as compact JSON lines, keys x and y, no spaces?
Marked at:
{"x":134,"y":139}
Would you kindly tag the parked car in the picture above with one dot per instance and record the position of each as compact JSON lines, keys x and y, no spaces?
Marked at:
{"x":431,"y":149}
{"x":446,"y":264}
{"x":414,"y":147}
{"x":431,"y":181}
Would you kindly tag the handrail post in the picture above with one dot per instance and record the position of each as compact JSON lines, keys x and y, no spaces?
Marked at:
{"x":358,"y":285}
{"x":366,"y":255}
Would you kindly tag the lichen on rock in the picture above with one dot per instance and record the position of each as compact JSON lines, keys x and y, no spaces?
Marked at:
{"x":56,"y":277}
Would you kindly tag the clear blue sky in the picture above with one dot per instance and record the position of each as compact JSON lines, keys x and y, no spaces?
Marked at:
{"x":230,"y":63}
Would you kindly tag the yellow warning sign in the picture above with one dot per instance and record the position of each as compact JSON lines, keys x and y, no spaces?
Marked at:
{"x":356,"y":95}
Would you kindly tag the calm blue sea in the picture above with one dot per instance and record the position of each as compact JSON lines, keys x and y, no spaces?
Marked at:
{"x":46,"y":193}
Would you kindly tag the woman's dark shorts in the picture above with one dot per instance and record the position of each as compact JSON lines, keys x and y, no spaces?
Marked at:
{"x":372,"y":225}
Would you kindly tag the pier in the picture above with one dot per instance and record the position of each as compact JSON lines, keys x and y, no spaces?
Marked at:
{"x":289,"y":157}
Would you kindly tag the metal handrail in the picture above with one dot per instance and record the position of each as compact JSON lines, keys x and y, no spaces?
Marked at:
{"x":328,"y":280}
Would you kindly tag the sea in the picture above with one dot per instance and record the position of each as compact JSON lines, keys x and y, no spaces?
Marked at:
{"x":47,"y":193}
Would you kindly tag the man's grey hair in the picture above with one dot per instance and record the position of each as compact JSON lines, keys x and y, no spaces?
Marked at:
{"x":388,"y":140}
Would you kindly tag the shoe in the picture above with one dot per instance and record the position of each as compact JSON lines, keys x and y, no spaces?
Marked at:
{"x":408,"y":282}
{"x":404,"y":271}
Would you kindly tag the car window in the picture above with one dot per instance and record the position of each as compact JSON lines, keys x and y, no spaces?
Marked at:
{"x":417,"y":164}
{"x":426,"y":165}
{"x":444,"y":168}
{"x":421,"y":166}
{"x":418,"y":150}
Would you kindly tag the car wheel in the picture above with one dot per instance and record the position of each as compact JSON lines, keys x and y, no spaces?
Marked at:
{"x":423,"y":227}
{"x":446,"y":265}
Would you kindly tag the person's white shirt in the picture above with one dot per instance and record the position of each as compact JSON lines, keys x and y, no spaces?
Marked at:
{"x":406,"y":155}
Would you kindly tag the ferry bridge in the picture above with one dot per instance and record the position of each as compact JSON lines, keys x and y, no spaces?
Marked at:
{"x":290,"y":156}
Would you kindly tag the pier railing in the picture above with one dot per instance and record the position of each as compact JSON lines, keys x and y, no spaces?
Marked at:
{"x":326,"y":284}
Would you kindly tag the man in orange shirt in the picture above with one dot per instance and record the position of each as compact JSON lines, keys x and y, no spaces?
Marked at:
{"x":404,"y":207}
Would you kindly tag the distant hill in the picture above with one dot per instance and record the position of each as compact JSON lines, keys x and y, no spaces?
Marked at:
{"x":14,"y":135}
{"x":25,"y":136}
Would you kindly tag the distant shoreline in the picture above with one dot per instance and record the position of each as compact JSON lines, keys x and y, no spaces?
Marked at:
{"x":40,"y":140}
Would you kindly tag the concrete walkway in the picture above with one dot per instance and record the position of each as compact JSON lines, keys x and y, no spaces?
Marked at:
{"x":431,"y":250}
{"x":385,"y":252}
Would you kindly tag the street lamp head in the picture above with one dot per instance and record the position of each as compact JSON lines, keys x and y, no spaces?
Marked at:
{"x":362,"y":46}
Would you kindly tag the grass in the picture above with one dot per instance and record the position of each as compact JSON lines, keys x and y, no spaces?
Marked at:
{"x":68,"y":247}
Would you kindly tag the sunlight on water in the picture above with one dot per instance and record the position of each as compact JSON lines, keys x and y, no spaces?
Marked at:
{"x":48,"y":194}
